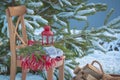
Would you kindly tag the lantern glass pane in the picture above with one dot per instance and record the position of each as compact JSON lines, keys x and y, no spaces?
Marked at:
{"x":44,"y":39}
{"x":50,"y":39}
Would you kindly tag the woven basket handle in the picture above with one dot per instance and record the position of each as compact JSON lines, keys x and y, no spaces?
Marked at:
{"x":98,"y":64}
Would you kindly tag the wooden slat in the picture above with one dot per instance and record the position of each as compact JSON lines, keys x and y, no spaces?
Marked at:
{"x":59,"y":63}
{"x":17,"y":11}
{"x":10,"y":12}
{"x":50,"y":74}
{"x":12,"y":48}
{"x":19,"y":63}
{"x":24,"y":32}
{"x":61,"y":71}
{"x":21,"y":46}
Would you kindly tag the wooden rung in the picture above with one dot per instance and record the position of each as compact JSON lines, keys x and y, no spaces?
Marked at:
{"x":21,"y":46}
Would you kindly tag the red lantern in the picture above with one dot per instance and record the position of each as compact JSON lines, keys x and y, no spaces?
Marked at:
{"x":47,"y":36}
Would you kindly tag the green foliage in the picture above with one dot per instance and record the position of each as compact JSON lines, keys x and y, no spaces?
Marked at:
{"x":36,"y":49}
{"x":4,"y":46}
{"x":108,"y":16}
{"x":57,"y":13}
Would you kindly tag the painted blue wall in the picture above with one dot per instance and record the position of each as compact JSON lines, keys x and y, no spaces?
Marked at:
{"x":97,"y":20}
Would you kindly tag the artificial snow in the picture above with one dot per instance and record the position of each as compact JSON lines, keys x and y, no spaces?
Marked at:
{"x":78,"y":7}
{"x":35,"y":4}
{"x":53,"y":52}
{"x":110,"y":63}
{"x":91,"y":4}
{"x":116,"y":25}
{"x":55,"y":17}
{"x":34,"y":23}
{"x":56,"y":6}
{"x":61,"y":4}
{"x":98,"y":46}
{"x":65,"y":14}
{"x":114,"y":21}
{"x":62,"y":23}
{"x":28,"y":25}
{"x":38,"y":19}
{"x":38,"y":31}
{"x":30,"y":11}
{"x":83,"y":12}
{"x":67,"y":2}
{"x":80,"y":17}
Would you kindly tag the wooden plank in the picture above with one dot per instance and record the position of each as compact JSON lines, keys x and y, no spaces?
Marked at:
{"x":24,"y":32}
{"x":61,"y":71}
{"x":61,"y":62}
{"x":13,"y":11}
{"x":24,"y":73}
{"x":50,"y":74}
{"x":12,"y":48}
{"x":17,"y":11}
{"x":19,"y":63}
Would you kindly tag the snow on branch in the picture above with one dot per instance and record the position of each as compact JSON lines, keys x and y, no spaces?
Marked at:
{"x":66,"y":2}
{"x":35,"y":4}
{"x":61,"y":22}
{"x":34,"y":23}
{"x":90,"y":4}
{"x":38,"y":19}
{"x":4,"y":25}
{"x":97,"y":6}
{"x":117,"y":26}
{"x":78,"y":7}
{"x":56,"y":6}
{"x":28,"y":25}
{"x":98,"y":46}
{"x":86,"y":12}
{"x":80,"y":17}
{"x":114,"y":22}
{"x":65,"y":14}
{"x":60,"y":2}
{"x":30,"y":11}
{"x":55,"y":17}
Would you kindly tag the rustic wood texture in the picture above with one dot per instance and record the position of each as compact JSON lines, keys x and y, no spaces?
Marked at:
{"x":94,"y":71}
{"x":110,"y":77}
{"x":49,"y":73}
{"x":61,"y":70}
{"x":19,"y":11}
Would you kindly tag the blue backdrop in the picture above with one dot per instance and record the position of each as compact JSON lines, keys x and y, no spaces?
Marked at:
{"x":97,"y":20}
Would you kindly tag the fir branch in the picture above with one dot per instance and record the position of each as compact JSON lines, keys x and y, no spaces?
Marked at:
{"x":36,"y":48}
{"x":108,"y":16}
{"x":43,"y":10}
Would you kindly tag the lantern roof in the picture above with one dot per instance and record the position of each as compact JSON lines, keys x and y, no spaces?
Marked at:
{"x":47,"y":31}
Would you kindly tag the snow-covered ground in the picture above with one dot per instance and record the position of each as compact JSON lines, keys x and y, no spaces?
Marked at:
{"x":110,"y":63}
{"x":18,"y":77}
